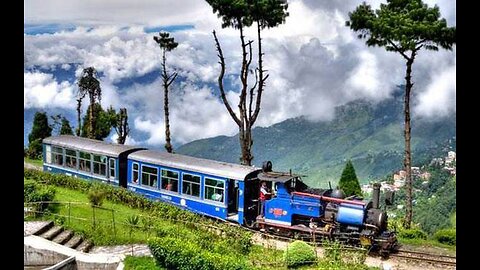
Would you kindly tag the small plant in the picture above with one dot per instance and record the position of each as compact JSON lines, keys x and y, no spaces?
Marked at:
{"x":96,"y":194}
{"x":446,"y":236}
{"x":133,"y":222}
{"x":412,"y":234}
{"x":299,"y":253}
{"x":147,"y":223}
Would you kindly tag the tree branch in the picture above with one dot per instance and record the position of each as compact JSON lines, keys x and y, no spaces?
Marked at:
{"x":220,"y":81}
{"x":398,"y":49}
{"x":170,"y":79}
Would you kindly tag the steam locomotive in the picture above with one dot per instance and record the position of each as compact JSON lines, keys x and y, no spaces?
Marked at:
{"x":225,"y":191}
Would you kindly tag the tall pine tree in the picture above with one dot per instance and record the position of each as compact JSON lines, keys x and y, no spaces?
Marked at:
{"x":349,"y":181}
{"x":40,"y":130}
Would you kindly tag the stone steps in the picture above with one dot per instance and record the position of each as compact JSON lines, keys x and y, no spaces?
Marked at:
{"x":74,"y":242}
{"x":52,"y":232}
{"x":63,"y":237}
{"x":85,"y":246}
{"x":57,"y":234}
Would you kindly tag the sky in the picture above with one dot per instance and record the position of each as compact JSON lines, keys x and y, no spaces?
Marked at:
{"x":314,"y":62}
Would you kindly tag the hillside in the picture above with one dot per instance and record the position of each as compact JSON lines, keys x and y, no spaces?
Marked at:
{"x":369,"y":134}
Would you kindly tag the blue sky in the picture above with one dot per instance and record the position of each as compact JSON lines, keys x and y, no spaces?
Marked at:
{"x":315,"y":63}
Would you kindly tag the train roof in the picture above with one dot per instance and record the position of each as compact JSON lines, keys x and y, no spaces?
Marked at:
{"x":212,"y":167}
{"x":89,"y":145}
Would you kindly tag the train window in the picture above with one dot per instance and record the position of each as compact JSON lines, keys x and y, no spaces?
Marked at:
{"x":214,"y":189}
{"x":191,"y":185}
{"x":84,"y":163}
{"x":149,"y":176}
{"x":71,"y":158}
{"x":111,"y":166}
{"x":170,"y":180}
{"x":48,"y":154}
{"x":135,"y":173}
{"x":100,"y":165}
{"x":56,"y":156}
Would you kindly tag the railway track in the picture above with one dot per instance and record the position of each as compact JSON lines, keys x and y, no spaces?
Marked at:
{"x":425,"y":257}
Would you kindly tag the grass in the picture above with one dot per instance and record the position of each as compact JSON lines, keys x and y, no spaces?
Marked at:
{"x":427,"y":243}
{"x":140,"y":263}
{"x":103,"y":232}
{"x":36,"y":162}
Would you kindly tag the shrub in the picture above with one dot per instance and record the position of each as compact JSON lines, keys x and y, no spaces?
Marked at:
{"x":412,"y":234}
{"x":446,"y":236}
{"x":176,"y":253}
{"x":37,"y":194}
{"x":96,"y":194}
{"x":299,"y":253}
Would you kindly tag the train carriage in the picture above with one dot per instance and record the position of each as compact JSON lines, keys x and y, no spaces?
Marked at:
{"x":204,"y":186}
{"x":87,"y":158}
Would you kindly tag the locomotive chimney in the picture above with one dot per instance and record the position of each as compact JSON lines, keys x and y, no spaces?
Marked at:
{"x":376,"y":196}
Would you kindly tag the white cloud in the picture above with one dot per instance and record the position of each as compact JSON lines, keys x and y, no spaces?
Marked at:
{"x":439,"y":99}
{"x":41,"y":90}
{"x":122,"y":12}
{"x":315,"y":63}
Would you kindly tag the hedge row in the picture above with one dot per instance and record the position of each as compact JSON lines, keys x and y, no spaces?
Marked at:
{"x":176,"y":253}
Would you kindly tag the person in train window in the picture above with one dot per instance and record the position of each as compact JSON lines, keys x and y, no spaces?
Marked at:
{"x":264,"y":195}
{"x":217,"y":197}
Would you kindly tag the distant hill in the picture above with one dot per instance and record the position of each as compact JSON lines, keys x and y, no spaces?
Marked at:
{"x":371,"y":135}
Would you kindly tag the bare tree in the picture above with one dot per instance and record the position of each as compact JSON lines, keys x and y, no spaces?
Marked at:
{"x":167,"y":44}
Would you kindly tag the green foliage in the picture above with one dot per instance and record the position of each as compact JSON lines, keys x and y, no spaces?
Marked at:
{"x":102,"y":124}
{"x":96,"y":194}
{"x":66,"y":129}
{"x":434,"y":208}
{"x":176,"y":253}
{"x":37,"y":195}
{"x":40,"y":130}
{"x":299,"y":253}
{"x":337,"y":259}
{"x":349,"y":181}
{"x":412,"y":234}
{"x":165,"y":42}
{"x":140,"y":263}
{"x":446,"y":236}
{"x":402,"y":26}
{"x":234,"y":13}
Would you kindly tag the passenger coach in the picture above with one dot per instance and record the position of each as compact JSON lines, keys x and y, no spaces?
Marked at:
{"x":206,"y":186}
{"x":87,"y":158}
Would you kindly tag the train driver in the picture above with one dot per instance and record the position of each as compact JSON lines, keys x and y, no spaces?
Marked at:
{"x":264,"y":195}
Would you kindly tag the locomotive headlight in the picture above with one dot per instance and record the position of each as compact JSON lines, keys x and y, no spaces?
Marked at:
{"x":284,"y":213}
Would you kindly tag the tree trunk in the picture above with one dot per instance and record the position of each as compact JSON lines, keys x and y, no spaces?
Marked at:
{"x":79,"y":119}
{"x":408,"y":157}
{"x":123,"y":126}
{"x":168,"y":144}
{"x":91,"y":133}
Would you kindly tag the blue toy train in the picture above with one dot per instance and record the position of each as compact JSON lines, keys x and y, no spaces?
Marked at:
{"x":223,"y":190}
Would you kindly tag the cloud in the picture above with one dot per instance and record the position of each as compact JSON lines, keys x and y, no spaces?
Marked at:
{"x":315,"y":63}
{"x":439,"y":99}
{"x":122,"y":12}
{"x":41,"y":90}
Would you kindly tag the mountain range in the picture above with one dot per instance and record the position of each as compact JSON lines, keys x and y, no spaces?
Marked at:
{"x":369,"y":134}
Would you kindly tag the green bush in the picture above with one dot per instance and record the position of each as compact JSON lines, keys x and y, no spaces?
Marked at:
{"x":299,"y":253}
{"x":96,"y":194}
{"x":176,"y":253}
{"x":446,"y":236}
{"x":412,"y":234}
{"x":37,"y":195}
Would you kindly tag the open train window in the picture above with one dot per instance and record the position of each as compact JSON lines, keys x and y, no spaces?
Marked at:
{"x":295,"y":184}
